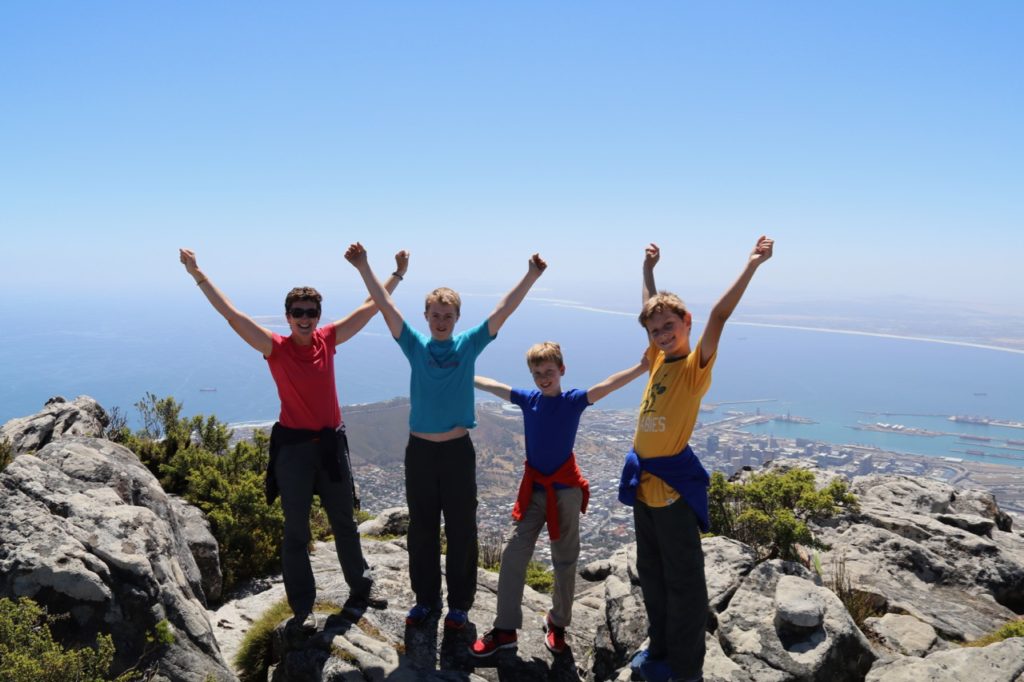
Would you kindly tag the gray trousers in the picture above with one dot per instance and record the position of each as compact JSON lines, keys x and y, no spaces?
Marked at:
{"x":300,"y":474}
{"x":518,"y":551}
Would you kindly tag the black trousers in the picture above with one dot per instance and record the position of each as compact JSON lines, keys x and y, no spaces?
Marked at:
{"x":301,"y":474}
{"x":670,"y":561}
{"x":440,"y":479}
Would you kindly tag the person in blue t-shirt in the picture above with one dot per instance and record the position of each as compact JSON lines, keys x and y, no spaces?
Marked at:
{"x":553,"y":491}
{"x":440,"y":462}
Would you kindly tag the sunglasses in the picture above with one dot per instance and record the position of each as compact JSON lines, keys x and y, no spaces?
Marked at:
{"x":299,"y":313}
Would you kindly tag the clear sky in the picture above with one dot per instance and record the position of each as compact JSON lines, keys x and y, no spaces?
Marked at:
{"x":880,"y":143}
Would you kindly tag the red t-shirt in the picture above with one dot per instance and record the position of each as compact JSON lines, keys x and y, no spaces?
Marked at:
{"x":305,"y":381}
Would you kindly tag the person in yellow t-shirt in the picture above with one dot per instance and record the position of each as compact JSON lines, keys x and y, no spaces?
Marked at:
{"x":666,"y":483}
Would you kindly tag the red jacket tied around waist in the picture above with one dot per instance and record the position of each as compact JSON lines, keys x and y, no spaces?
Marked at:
{"x":568,"y":475}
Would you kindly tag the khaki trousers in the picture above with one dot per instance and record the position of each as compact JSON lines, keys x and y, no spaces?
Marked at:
{"x":519,"y":545}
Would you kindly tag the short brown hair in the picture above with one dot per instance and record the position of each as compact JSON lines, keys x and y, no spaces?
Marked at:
{"x":444,"y":296}
{"x":545,"y":351}
{"x":302,"y":294}
{"x":662,"y":302}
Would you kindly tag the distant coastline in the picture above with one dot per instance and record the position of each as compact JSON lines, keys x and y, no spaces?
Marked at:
{"x":824,"y":330}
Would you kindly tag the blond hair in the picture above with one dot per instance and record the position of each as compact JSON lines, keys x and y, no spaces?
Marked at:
{"x":444,"y":296}
{"x":662,"y":302}
{"x":545,"y":351}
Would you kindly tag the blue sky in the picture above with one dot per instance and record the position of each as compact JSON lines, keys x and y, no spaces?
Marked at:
{"x":880,"y":143}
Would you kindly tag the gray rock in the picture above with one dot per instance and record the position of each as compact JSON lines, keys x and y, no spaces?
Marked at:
{"x":1000,"y":662}
{"x":905,"y":635}
{"x":907,"y":551}
{"x":393,"y":521}
{"x":195,"y":528}
{"x":596,"y":571}
{"x":58,"y":419}
{"x":969,"y":522}
{"x":752,"y":626}
{"x":85,"y":529}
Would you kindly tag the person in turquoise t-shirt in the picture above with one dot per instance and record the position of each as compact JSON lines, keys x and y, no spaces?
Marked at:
{"x":440,"y":462}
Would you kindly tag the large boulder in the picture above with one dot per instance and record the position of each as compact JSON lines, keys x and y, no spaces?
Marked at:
{"x":83,"y":416}
{"x":195,"y":529}
{"x":920,"y":547}
{"x":86,"y":529}
{"x":1000,"y":662}
{"x":780,"y":618}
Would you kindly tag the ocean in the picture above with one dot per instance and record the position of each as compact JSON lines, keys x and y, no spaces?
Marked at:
{"x":117,"y":352}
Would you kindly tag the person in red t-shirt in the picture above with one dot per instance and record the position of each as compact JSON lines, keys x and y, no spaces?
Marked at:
{"x":308,"y":448}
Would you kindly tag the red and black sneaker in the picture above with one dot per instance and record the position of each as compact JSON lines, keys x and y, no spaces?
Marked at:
{"x":492,"y":641}
{"x":554,"y":636}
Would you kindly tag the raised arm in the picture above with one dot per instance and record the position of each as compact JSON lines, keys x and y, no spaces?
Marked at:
{"x":507,"y":305}
{"x":731,"y":298}
{"x":491,"y":386}
{"x":351,"y":324}
{"x":256,"y":336}
{"x":617,"y":380}
{"x":651,"y":256}
{"x":356,"y":255}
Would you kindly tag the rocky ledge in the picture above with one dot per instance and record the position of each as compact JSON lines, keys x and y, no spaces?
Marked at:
{"x":86,"y":530}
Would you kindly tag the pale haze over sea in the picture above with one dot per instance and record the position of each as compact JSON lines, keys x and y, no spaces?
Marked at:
{"x":833,"y":378}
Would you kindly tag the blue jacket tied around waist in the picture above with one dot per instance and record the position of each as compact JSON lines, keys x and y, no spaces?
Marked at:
{"x":683,"y":471}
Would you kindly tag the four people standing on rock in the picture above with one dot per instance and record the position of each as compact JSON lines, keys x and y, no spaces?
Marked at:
{"x":663,"y":480}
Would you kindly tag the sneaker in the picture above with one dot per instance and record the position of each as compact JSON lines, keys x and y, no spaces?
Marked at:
{"x":419,"y":614}
{"x":356,"y":604}
{"x":456,"y":619}
{"x":650,"y":669}
{"x":492,"y":641}
{"x":554,"y":636}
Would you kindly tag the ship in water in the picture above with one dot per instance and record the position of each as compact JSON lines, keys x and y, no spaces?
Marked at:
{"x":895,"y":428}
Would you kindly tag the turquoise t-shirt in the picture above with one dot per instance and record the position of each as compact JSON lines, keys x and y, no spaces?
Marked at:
{"x":441,"y":386}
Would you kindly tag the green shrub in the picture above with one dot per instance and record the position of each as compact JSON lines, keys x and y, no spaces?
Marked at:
{"x":253,"y":657}
{"x":1012,"y":629}
{"x":539,"y":577}
{"x":28,"y":652}
{"x":770,"y":510}
{"x":6,"y":453}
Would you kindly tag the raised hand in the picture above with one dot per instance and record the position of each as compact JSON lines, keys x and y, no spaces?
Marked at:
{"x":188,"y":259}
{"x":356,"y":255}
{"x":537,"y":264}
{"x":401,"y":262}
{"x":652,"y":254}
{"x":762,"y":250}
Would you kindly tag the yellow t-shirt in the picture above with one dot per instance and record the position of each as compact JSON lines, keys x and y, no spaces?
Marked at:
{"x":668,"y":414}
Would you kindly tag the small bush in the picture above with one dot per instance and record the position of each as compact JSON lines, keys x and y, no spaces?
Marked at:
{"x":1012,"y":629}
{"x":28,"y":652}
{"x":253,"y":657}
{"x":539,"y":577}
{"x":6,"y":453}
{"x":860,"y":605}
{"x":489,"y":555}
{"x":770,"y":510}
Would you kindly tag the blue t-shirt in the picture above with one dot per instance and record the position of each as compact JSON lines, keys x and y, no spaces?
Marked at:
{"x":550,"y":425}
{"x":441,"y":386}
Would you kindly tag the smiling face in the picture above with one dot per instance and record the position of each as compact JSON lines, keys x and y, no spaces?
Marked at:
{"x":441,"y":318}
{"x":670,"y":332}
{"x":548,"y":377}
{"x":302,"y":318}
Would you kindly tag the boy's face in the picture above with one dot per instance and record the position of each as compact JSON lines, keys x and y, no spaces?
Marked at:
{"x":548,"y":377}
{"x":670,"y":332}
{"x":441,"y":318}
